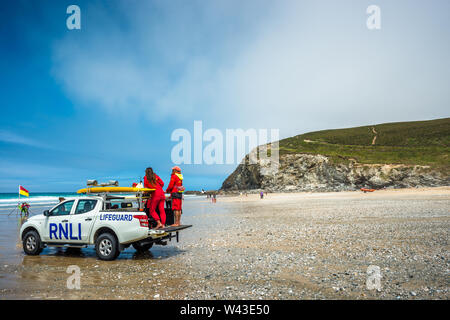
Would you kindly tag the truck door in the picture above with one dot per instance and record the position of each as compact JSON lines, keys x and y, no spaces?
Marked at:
{"x":56,"y":224}
{"x":83,"y":218}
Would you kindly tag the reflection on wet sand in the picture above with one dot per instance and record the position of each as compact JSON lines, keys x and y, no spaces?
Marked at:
{"x":133,"y":275}
{"x":46,"y":274}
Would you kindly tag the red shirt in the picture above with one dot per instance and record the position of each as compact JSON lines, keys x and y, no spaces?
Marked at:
{"x":175,"y":182}
{"x":157,"y":186}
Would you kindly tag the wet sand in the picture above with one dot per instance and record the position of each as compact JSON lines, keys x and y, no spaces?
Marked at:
{"x":285,"y":246}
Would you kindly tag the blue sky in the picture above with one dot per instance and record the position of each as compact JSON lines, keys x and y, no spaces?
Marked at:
{"x":102,"y":102}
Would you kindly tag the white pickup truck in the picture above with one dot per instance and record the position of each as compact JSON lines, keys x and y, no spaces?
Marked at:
{"x":93,"y":220}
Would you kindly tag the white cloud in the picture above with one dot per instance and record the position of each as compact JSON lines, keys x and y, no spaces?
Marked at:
{"x":165,"y":62}
{"x":293,"y":65}
{"x":11,"y":137}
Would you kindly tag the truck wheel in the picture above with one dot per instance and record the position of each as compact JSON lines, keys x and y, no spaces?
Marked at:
{"x":142,"y":247}
{"x":32,"y":243}
{"x":107,"y":247}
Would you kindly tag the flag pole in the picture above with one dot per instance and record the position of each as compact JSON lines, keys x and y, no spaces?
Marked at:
{"x":18,"y":205}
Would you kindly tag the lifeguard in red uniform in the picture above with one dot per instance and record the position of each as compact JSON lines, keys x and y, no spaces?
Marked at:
{"x":176,"y":190}
{"x":151,"y":180}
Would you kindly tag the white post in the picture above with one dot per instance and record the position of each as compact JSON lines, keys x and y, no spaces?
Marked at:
{"x":18,"y":205}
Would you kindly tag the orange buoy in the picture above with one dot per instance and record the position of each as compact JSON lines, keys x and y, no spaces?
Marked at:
{"x":367,"y":190}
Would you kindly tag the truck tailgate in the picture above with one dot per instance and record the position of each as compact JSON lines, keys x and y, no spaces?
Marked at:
{"x":165,"y":231}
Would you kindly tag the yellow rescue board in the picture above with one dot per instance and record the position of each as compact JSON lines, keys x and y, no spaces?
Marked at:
{"x":114,"y":189}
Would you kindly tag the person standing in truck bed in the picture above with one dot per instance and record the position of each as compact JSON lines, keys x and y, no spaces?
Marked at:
{"x":152,"y":181}
{"x":176,"y":190}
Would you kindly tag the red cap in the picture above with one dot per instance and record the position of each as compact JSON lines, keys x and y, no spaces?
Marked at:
{"x":176,"y":168}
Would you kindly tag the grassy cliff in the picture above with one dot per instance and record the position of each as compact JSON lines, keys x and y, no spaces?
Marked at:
{"x":411,"y":143}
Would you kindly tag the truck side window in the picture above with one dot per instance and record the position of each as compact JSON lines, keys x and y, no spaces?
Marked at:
{"x":63,"y":209}
{"x":85,"y":206}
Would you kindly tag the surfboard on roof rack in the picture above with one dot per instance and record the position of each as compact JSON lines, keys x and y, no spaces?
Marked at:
{"x":114,"y":190}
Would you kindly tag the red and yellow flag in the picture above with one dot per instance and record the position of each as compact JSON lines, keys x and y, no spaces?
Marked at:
{"x":23,"y":191}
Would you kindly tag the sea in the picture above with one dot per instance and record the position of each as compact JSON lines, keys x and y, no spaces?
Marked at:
{"x":39,"y":200}
{"x":44,"y":199}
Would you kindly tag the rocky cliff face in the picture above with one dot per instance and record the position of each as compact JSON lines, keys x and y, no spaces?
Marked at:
{"x":305,"y":172}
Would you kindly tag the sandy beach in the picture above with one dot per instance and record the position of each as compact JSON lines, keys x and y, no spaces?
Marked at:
{"x":285,"y":246}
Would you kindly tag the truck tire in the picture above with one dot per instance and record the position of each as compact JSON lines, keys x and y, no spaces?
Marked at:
{"x":107,"y":247}
{"x":32,"y":243}
{"x":142,"y":247}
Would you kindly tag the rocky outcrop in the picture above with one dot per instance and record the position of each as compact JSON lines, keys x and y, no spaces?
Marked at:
{"x":306,"y":172}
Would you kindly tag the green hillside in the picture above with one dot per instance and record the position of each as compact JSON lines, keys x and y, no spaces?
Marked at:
{"x":418,"y":142}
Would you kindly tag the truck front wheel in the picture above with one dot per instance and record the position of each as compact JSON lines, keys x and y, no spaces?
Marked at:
{"x":32,"y":243}
{"x":107,"y":247}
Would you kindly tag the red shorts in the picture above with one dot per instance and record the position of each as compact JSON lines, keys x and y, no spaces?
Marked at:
{"x":176,"y":204}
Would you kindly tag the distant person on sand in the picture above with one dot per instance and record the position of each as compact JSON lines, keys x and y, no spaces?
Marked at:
{"x":176,"y":190}
{"x":152,"y":181}
{"x":261,"y":194}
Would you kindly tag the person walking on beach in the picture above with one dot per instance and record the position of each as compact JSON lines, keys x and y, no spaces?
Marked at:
{"x":261,"y":194}
{"x":176,"y":190}
{"x":152,"y":181}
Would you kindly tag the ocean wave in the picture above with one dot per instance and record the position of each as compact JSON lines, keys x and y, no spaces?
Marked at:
{"x":50,"y":200}
{"x":39,"y":200}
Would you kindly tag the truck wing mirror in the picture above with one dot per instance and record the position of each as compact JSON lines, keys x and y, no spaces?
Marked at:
{"x":46,"y":213}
